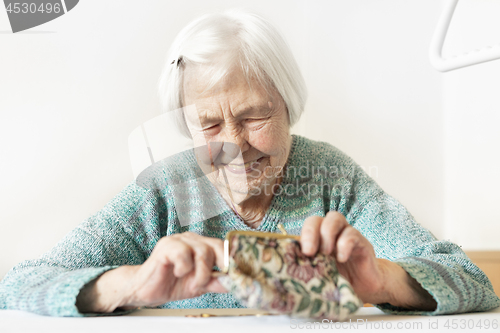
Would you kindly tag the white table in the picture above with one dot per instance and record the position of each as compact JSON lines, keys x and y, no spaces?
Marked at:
{"x":149,"y":320}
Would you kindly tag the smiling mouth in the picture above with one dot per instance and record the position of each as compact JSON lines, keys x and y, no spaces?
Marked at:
{"x":243,"y":168}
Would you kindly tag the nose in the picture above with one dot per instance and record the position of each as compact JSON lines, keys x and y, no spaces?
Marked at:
{"x":234,"y":142}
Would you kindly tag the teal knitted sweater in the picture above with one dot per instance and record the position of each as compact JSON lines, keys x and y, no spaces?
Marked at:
{"x":318,"y":178}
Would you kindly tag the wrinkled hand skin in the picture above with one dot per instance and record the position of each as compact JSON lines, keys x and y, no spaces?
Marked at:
{"x":179,"y":267}
{"x":373,"y":279}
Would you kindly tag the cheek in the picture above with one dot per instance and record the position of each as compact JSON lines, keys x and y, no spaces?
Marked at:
{"x":271,"y":140}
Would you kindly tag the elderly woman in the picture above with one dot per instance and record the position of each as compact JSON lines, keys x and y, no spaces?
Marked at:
{"x":241,"y":90}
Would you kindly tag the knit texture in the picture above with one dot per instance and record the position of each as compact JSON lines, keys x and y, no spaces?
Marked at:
{"x":318,"y":178}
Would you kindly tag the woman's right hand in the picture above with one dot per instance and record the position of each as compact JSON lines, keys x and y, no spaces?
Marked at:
{"x":179,"y":267}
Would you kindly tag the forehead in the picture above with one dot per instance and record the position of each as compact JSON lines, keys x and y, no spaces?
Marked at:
{"x":235,"y":92}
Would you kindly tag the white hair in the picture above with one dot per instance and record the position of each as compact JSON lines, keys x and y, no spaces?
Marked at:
{"x":234,"y":37}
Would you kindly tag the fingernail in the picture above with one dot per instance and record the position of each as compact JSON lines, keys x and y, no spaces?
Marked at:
{"x":307,"y":247}
{"x":341,"y":257}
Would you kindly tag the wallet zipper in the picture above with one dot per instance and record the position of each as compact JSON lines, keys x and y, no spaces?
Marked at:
{"x":263,"y":234}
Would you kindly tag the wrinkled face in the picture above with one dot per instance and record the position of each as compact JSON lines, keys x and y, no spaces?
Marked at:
{"x":246,"y":129}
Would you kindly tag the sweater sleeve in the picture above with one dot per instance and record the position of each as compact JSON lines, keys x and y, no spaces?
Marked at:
{"x":441,"y":267}
{"x":49,"y":285}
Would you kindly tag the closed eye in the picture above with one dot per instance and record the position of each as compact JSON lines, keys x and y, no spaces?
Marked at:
{"x":212,"y":130}
{"x":256,"y":124}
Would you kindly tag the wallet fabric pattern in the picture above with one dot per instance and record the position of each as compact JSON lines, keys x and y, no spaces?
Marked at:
{"x":274,"y":275}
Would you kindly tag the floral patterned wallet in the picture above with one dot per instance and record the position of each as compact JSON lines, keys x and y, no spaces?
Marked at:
{"x":268,"y":271}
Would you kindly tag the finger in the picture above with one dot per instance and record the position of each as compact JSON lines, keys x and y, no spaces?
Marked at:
{"x":347,"y":241}
{"x":217,"y":246}
{"x":309,"y":236}
{"x":204,"y":261}
{"x":331,"y":227}
{"x":178,"y":254}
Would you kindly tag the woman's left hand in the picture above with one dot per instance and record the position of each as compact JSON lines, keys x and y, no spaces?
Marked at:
{"x":373,"y":279}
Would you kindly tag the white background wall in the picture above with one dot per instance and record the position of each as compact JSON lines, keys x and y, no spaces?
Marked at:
{"x":471,"y":113}
{"x":73,"y":89}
